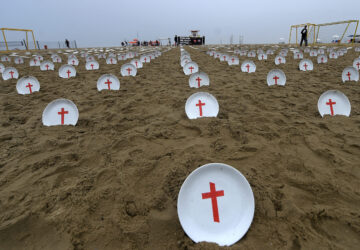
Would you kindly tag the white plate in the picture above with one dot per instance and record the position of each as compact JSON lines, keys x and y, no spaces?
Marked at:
{"x":128,"y":69}
{"x":27,"y":85}
{"x":248,"y":66}
{"x":137,"y":63}
{"x":10,"y":73}
{"x":350,"y":74}
{"x":201,"y":104}
{"x":67,"y":71}
{"x":235,"y":204}
{"x":334,"y":102}
{"x":108,"y":82}
{"x":46,"y":65}
{"x":60,"y":112}
{"x":306,"y":65}
{"x":199,"y":79}
{"x":190,"y":68}
{"x":92,"y":65}
{"x":280,"y":59}
{"x":276,"y":77}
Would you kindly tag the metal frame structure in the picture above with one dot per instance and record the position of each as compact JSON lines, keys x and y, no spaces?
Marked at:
{"x":317,"y":26}
{"x":27,"y":37}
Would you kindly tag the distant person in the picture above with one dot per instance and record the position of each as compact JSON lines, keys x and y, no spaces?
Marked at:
{"x":304,"y":36}
{"x":67,"y":43}
{"x":175,"y":39}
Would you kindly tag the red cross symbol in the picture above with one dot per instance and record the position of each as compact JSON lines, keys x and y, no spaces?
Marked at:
{"x":136,"y":63}
{"x":108,"y":83}
{"x":213,"y":194}
{"x":68,"y":72}
{"x":63,"y":113}
{"x":348,"y":74}
{"x":35,"y":60}
{"x":224,"y":57}
{"x":331,"y":106}
{"x":248,"y":67}
{"x":73,"y":62}
{"x":145,"y":59}
{"x":200,"y":104}
{"x":92,"y":66}
{"x":276,"y":78}
{"x":47,"y":67}
{"x":262,"y":57}
{"x":233,"y":59}
{"x":198,"y":80}
{"x":111,"y":60}
{"x":191,"y":69}
{"x":305,"y":66}
{"x":279,"y":60}
{"x":129,"y":70}
{"x":358,"y":65}
{"x":298,"y":55}
{"x":29,"y":86}
{"x":322,"y":59}
{"x":123,"y":58}
{"x":12,"y":74}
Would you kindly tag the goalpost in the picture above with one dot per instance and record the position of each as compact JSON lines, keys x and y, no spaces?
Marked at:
{"x":341,"y":27}
{"x":23,"y":30}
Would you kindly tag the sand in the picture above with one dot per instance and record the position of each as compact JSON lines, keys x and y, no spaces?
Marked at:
{"x":112,"y":181}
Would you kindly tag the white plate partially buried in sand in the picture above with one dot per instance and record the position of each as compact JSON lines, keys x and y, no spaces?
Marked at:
{"x":248,"y":66}
{"x":356,"y":63}
{"x":111,"y":60}
{"x":262,"y":56}
{"x":199,"y":79}
{"x":306,"y":65}
{"x":334,"y":102}
{"x":137,"y":63}
{"x":279,"y":60}
{"x":108,"y":82}
{"x":276,"y":77}
{"x":60,"y":112}
{"x":73,"y":61}
{"x":2,"y":68}
{"x":145,"y":59}
{"x":298,"y":55}
{"x":92,"y":65}
{"x":216,"y":204}
{"x":233,"y":60}
{"x":19,"y":60}
{"x":190,"y":68}
{"x":46,"y":65}
{"x":67,"y":71}
{"x":201,"y":104}
{"x":27,"y":85}
{"x":128,"y":69}
{"x":10,"y":73}
{"x":34,"y":62}
{"x":350,"y":74}
{"x":322,"y":59}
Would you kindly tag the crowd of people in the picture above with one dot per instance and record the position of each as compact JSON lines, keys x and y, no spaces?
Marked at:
{"x":143,"y":43}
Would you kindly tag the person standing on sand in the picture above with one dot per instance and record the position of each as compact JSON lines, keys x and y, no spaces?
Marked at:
{"x":304,"y":36}
{"x":67,"y":43}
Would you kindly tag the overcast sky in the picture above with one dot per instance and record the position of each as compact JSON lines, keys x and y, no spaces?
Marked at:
{"x":108,"y":22}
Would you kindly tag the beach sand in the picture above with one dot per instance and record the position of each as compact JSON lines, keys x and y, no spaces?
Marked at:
{"x":112,"y":181}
